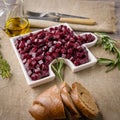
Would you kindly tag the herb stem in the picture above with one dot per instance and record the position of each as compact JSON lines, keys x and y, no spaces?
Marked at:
{"x":109,"y":44}
{"x":58,"y":68}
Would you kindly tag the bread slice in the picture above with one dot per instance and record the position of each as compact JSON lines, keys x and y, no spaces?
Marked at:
{"x":84,"y":101}
{"x":51,"y":103}
{"x":67,"y":100}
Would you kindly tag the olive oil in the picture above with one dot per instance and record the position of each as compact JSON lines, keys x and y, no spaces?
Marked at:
{"x":17,"y":26}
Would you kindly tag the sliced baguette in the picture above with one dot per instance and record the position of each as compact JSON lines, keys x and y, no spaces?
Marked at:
{"x":67,"y":100}
{"x":84,"y":101}
{"x":49,"y":101}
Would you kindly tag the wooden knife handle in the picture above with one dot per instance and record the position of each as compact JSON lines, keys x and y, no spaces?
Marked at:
{"x":78,"y":21}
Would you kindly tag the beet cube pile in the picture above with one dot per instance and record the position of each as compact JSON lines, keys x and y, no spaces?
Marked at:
{"x":39,"y":49}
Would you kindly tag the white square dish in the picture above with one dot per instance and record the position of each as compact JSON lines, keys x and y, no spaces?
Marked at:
{"x":51,"y":76}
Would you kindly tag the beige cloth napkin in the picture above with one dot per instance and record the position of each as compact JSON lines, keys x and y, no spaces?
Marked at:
{"x":102,"y":12}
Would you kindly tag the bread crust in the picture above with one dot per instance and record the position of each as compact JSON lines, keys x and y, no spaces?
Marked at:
{"x":84,"y":101}
{"x":38,"y":112}
{"x":52,"y":104}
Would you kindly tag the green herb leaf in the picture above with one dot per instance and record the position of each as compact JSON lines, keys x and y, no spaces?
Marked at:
{"x":110,"y":67}
{"x":105,"y":61}
{"x":109,"y":44}
{"x":4,"y":67}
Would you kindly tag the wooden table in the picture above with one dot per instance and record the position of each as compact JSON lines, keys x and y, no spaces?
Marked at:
{"x":16,"y":96}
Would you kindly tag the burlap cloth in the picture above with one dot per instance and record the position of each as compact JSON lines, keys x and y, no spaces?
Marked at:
{"x":16,"y":96}
{"x":103,"y":12}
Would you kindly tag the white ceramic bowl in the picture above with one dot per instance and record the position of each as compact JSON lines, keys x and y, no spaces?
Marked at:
{"x":92,"y":60}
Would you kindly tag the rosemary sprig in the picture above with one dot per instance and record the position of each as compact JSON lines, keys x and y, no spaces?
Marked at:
{"x":4,"y":68}
{"x":58,"y":67}
{"x":109,"y":44}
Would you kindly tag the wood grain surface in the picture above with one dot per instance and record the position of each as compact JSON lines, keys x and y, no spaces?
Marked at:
{"x":16,"y":96}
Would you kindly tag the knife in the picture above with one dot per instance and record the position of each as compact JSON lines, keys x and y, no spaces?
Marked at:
{"x":58,"y":17}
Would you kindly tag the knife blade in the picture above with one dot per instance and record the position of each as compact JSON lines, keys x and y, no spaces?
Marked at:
{"x":44,"y":14}
{"x":58,"y":17}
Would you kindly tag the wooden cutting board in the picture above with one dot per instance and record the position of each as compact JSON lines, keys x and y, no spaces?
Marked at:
{"x":16,"y":96}
{"x":103,"y":12}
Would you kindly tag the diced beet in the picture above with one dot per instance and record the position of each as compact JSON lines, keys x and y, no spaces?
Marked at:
{"x":34,"y":49}
{"x":51,"y":49}
{"x":37,"y":70}
{"x":70,"y":44}
{"x":44,"y":67}
{"x":64,"y":55}
{"x":39,"y":58}
{"x":68,"y":56}
{"x":76,"y":45}
{"x":63,"y":41}
{"x":27,"y":67}
{"x":41,"y":35}
{"x":38,"y":50}
{"x":29,"y":72}
{"x":79,"y":54}
{"x":55,"y":55}
{"x":35,"y":76}
{"x":63,"y":51}
{"x":44,"y":48}
{"x":58,"y":44}
{"x":45,"y":73}
{"x":24,"y":61}
{"x":27,"y":48}
{"x":25,"y":56}
{"x":48,"y":53}
{"x":76,"y":63}
{"x":21,"y":44}
{"x":48,"y":58}
{"x":40,"y":62}
{"x":72,"y":39}
{"x":33,"y":54}
{"x":33,"y":63}
{"x":89,"y":38}
{"x":57,"y":50}
{"x":41,"y":42}
{"x":49,"y":44}
{"x":57,"y":36}
{"x":83,"y":61}
{"x":70,"y":51}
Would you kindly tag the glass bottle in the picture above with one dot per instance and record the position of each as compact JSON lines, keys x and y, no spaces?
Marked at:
{"x":2,"y":14}
{"x":16,"y":22}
